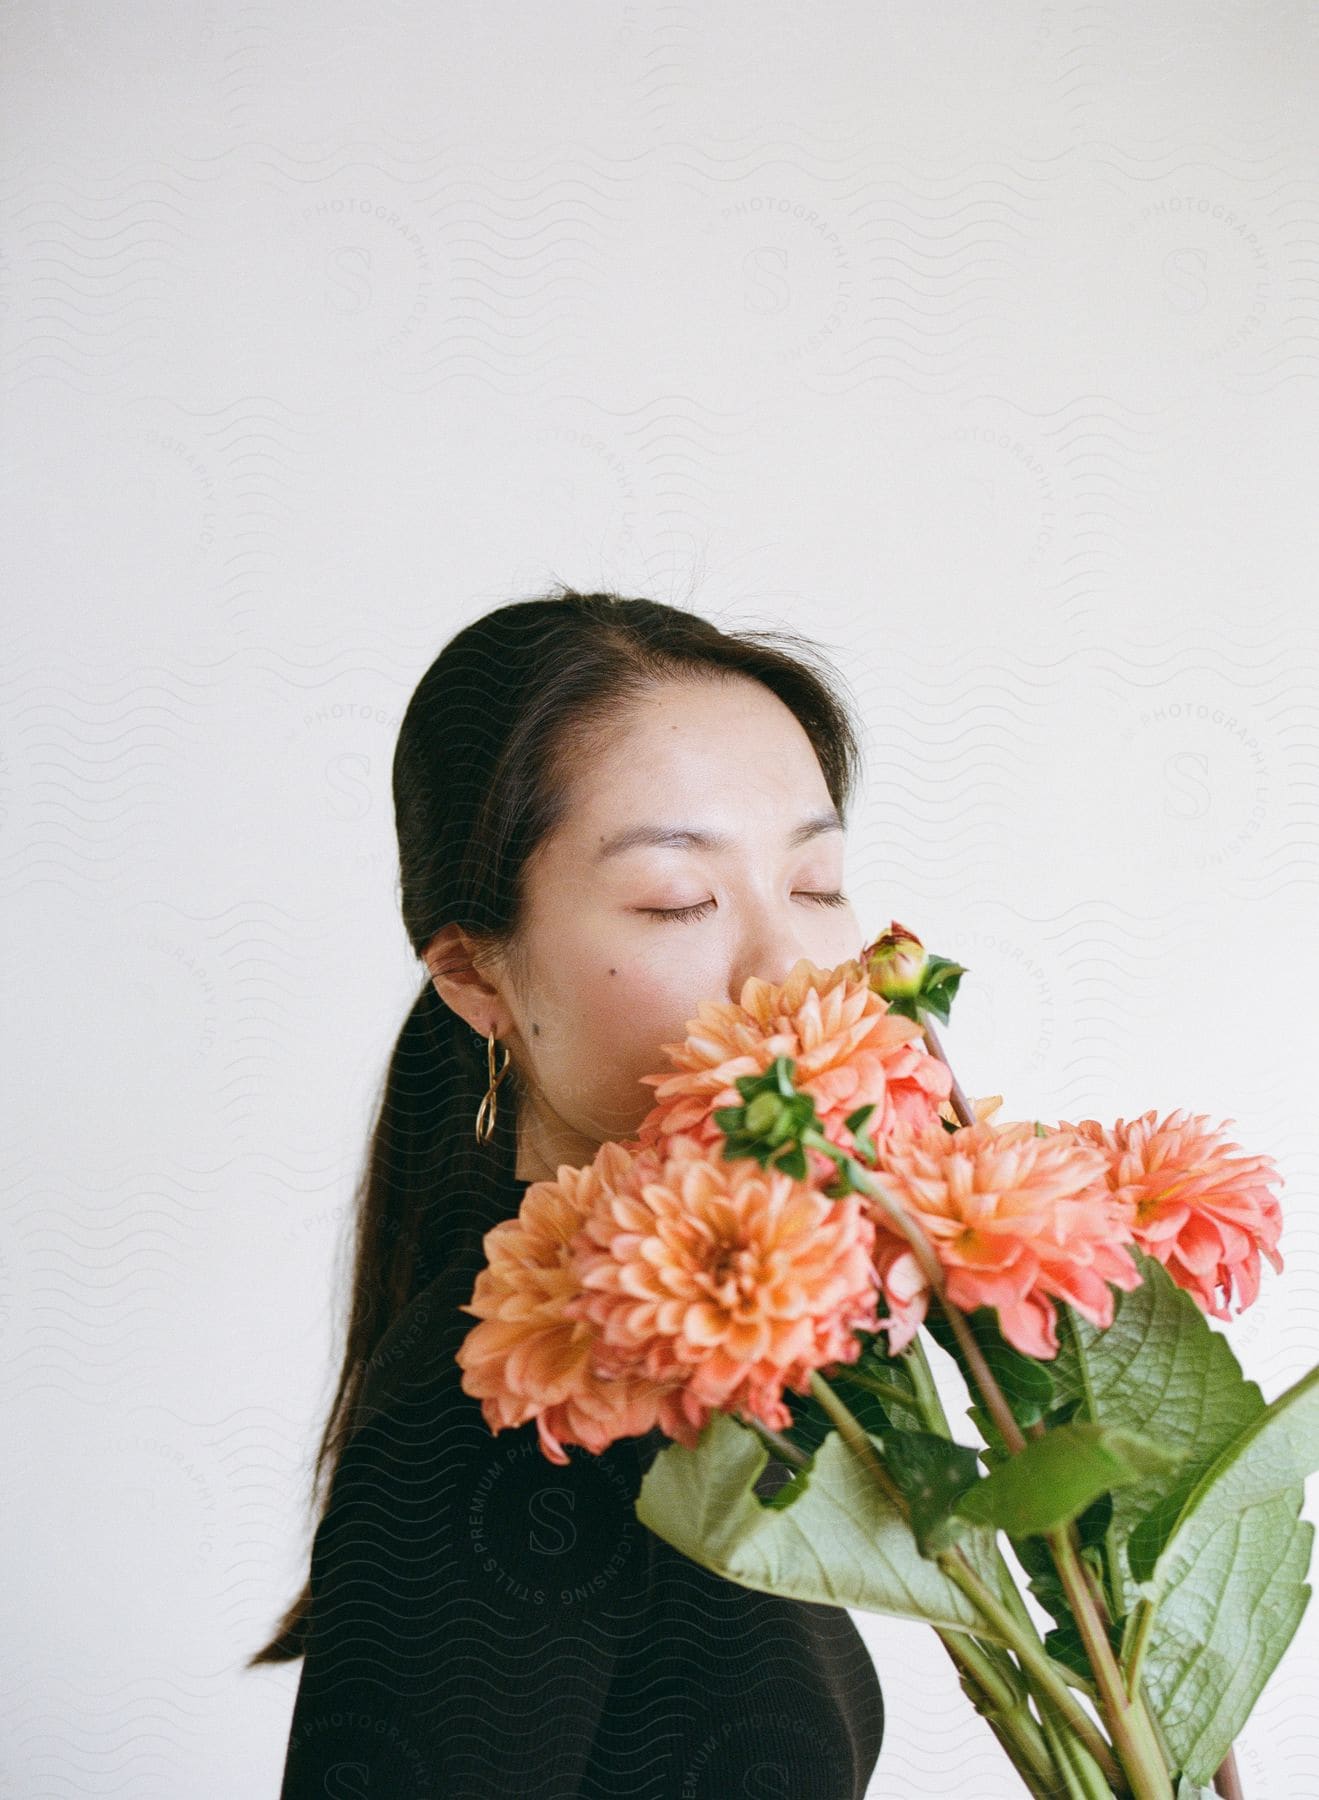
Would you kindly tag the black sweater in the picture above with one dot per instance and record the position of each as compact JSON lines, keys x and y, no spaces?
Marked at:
{"x":487,"y":1625}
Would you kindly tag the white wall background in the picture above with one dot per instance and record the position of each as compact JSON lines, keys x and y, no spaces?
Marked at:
{"x":980,"y":343}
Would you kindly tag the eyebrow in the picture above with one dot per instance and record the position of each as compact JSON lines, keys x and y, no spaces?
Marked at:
{"x":686,"y":837}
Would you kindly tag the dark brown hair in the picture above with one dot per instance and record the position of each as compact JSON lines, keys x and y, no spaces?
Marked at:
{"x":482,"y":775}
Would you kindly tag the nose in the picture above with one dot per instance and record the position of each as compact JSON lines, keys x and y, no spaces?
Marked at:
{"x":768,"y":948}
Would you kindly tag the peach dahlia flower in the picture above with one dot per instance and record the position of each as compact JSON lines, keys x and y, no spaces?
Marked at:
{"x":1201,"y":1205}
{"x":984,"y":1108}
{"x":1017,"y":1221}
{"x":849,"y":1050}
{"x":723,"y":1283}
{"x":527,"y":1359}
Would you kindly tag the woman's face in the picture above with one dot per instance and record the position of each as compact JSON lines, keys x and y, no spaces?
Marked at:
{"x":607,"y":979}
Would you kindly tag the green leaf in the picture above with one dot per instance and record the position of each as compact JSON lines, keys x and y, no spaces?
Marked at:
{"x":1092,"y":1525}
{"x":1027,"y":1385}
{"x":862,"y":1402}
{"x":1162,"y":1369}
{"x":939,"y":986}
{"x":811,"y":1424}
{"x":840,"y":1541}
{"x":932,"y":1474}
{"x":1043,"y":1579}
{"x":1152,"y":1530}
{"x":852,"y":1381}
{"x":855,"y":1122}
{"x":771,"y":1121}
{"x":1056,"y":1476}
{"x":1065,"y":1645}
{"x":1229,"y":1588}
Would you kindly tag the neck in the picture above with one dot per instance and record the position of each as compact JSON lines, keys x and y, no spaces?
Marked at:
{"x":540,"y":1152}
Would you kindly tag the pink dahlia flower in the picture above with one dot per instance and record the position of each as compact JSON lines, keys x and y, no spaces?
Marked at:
{"x":903,"y":1284}
{"x":1016,"y":1220}
{"x":1202,"y":1206}
{"x":849,"y":1050}
{"x":723,"y":1283}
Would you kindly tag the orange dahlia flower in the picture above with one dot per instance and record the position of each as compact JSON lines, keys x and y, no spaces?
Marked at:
{"x":1201,"y":1205}
{"x":527,"y":1358}
{"x":723,"y":1283}
{"x":1017,"y":1221}
{"x":849,"y":1050}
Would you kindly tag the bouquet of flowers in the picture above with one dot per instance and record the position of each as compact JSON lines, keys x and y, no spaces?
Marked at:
{"x":811,"y":1196}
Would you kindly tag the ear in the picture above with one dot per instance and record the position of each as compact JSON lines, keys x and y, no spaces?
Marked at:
{"x":460,"y":984}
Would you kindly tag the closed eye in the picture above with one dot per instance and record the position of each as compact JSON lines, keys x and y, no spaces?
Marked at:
{"x":696,"y":912}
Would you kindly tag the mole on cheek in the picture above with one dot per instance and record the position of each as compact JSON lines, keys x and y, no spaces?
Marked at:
{"x":613,"y":971}
{"x":535,"y":1029}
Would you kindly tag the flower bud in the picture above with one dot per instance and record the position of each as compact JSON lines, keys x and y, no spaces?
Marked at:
{"x":895,"y":963}
{"x":763,"y":1115}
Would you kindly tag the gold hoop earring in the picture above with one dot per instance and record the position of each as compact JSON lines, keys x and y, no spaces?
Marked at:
{"x":485,"y":1115}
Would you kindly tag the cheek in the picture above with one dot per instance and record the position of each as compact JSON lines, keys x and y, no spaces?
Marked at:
{"x":601,"y":1009}
{"x":661,"y":986}
{"x":592,"y":1068}
{"x":627,"y":1014}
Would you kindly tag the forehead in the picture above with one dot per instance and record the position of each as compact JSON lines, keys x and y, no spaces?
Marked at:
{"x":726,"y":750}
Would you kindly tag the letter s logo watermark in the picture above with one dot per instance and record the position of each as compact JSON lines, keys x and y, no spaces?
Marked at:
{"x":545,"y":1507}
{"x":347,"y":1781}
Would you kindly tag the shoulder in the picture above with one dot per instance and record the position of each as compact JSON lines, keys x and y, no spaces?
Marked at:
{"x":418,"y":1350}
{"x":432,"y":1515}
{"x":420,"y":1455}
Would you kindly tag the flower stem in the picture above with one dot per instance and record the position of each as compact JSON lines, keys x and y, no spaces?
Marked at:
{"x":1132,"y":1736}
{"x":855,"y":1437}
{"x":1137,"y":1632}
{"x":961,"y":1105}
{"x":1036,"y":1662}
{"x":986,"y":1668}
{"x":1227,"y":1781}
{"x":1011,"y":1724}
{"x":1129,"y":1721}
{"x":888,"y":1391}
{"x":930,"y":1407}
{"x":1000,"y":1702}
{"x":775,"y":1441}
{"x":1081,"y":1774}
{"x":927,"y":1394}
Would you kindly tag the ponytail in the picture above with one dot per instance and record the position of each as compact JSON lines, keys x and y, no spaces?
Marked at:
{"x":429,"y":1189}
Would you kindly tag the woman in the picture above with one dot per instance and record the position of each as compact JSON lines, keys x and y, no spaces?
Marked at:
{"x":480,"y":1623}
